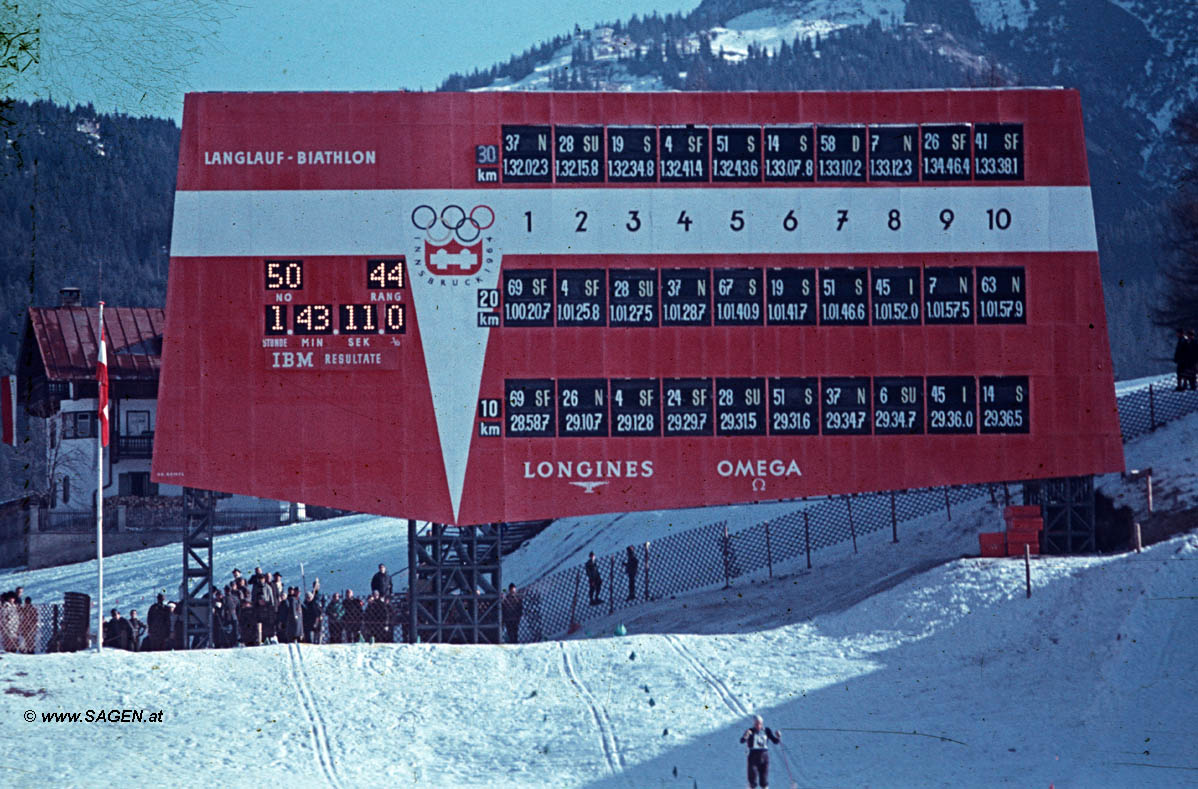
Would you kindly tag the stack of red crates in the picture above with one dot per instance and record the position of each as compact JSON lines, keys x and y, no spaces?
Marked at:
{"x":1024,"y":525}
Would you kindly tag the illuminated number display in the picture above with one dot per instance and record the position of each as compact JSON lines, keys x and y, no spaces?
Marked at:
{"x":898,"y":406}
{"x":582,"y":407}
{"x":843,"y":297}
{"x":578,"y":154}
{"x":952,"y":405}
{"x":684,"y":153}
{"x":529,"y":411}
{"x":844,"y":406}
{"x":528,"y":298}
{"x":790,"y":297}
{"x":948,"y":295}
{"x":789,"y":153}
{"x":636,"y":407}
{"x":687,"y":406}
{"x":312,"y":319}
{"x":736,"y":154}
{"x":358,"y":318}
{"x":633,"y":298}
{"x":738,"y":297}
{"x":896,"y":296}
{"x":284,"y":274}
{"x":893,"y":153}
{"x":394,"y":319}
{"x":276,"y":319}
{"x":385,"y":274}
{"x":944,"y":150}
{"x":1005,"y":405}
{"x":527,"y":152}
{"x":581,"y":297}
{"x":740,"y":406}
{"x":686,"y":297}
{"x":631,"y":154}
{"x":998,"y":151}
{"x":840,"y":153}
{"x":794,"y":406}
{"x":1001,"y":295}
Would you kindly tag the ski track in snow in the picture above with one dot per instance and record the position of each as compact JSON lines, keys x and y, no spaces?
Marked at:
{"x":317,"y":732}
{"x":607,"y":737}
{"x":729,"y":698}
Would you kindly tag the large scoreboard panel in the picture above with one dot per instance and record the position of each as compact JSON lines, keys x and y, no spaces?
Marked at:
{"x":480,"y":307}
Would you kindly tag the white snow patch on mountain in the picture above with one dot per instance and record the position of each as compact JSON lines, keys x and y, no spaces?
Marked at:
{"x":997,"y":15}
{"x":771,"y":27}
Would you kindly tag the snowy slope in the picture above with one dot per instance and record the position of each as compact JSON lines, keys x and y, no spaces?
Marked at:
{"x":1012,"y":691}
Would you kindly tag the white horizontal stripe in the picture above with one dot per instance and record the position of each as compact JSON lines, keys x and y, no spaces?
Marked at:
{"x":332,"y":222}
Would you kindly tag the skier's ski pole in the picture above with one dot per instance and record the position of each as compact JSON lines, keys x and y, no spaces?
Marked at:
{"x":786,"y":763}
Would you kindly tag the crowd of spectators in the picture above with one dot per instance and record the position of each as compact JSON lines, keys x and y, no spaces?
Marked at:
{"x":18,"y":622}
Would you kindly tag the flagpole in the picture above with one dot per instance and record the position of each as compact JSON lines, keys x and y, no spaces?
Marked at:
{"x":102,"y":404}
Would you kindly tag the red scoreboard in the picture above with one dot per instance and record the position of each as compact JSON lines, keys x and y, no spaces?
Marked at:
{"x":504,"y":306}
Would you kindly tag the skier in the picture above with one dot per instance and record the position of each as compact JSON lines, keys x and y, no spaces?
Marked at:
{"x":758,"y":739}
{"x":594,"y":579}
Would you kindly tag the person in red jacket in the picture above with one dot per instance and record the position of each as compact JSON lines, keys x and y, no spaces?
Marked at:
{"x":758,"y":739}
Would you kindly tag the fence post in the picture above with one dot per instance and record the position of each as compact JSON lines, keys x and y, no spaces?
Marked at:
{"x":611,"y":590}
{"x":1027,"y":567}
{"x":727,"y":580}
{"x":574,"y":603}
{"x":848,"y":501}
{"x":646,"y":569}
{"x":1139,"y":539}
{"x":55,"y":644}
{"x":1006,"y":494}
{"x":807,"y":536}
{"x":948,"y":505}
{"x":1151,"y":409}
{"x":893,"y":519}
{"x":769,"y":553}
{"x":1150,"y":490}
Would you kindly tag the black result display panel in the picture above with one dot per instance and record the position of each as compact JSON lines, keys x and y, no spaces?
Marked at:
{"x":844,"y":404}
{"x":529,"y":408}
{"x":789,"y":153}
{"x":738,"y":297}
{"x":843,"y":297}
{"x":952,"y":405}
{"x":841,"y":153}
{"x":895,"y":293}
{"x":276,"y":319}
{"x":582,"y":407}
{"x":385,"y":274}
{"x":740,"y":406}
{"x":527,"y":154}
{"x":736,"y":153}
{"x":633,"y":296}
{"x":636,"y":407}
{"x":687,"y":409}
{"x":684,"y":153}
{"x":998,"y":151}
{"x":790,"y":297}
{"x":1004,"y":404}
{"x":578,"y":154}
{"x":581,"y":297}
{"x":948,"y":295}
{"x":358,"y":318}
{"x":794,"y":406}
{"x":898,"y":406}
{"x":1001,"y":294}
{"x":893,"y":153}
{"x":528,"y":298}
{"x":312,"y":319}
{"x":685,"y":297}
{"x":945,"y":151}
{"x":631,"y":154}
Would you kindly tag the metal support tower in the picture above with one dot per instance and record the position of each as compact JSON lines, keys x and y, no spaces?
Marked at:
{"x":197,"y":568}
{"x":454,"y":583}
{"x":1067,"y":504}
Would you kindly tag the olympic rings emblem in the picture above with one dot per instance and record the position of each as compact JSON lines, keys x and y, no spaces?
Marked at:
{"x":453,"y":221}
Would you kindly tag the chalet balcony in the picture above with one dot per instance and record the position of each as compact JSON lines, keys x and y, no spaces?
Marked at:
{"x":135,"y":446}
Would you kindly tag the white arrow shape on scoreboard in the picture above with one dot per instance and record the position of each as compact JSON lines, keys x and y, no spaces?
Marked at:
{"x":455,"y":350}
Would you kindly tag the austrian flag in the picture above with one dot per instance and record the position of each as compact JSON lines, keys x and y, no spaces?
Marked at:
{"x":102,"y":380}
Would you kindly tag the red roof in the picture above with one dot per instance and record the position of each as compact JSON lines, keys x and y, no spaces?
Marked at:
{"x":66,"y":337}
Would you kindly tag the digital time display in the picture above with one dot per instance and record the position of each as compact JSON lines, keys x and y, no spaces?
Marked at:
{"x":898,"y":406}
{"x":952,"y":404}
{"x":284,"y":274}
{"x":893,"y":153}
{"x":844,"y":297}
{"x":636,"y":407}
{"x":845,"y":406}
{"x":794,"y":406}
{"x":789,"y":153}
{"x":948,"y":295}
{"x":385,"y":274}
{"x":688,"y":406}
{"x":736,"y":154}
{"x":841,"y":153}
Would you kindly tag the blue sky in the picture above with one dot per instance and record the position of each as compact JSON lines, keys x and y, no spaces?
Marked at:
{"x":298,"y":45}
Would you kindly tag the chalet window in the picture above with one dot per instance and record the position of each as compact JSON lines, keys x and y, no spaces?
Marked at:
{"x":137,"y":423}
{"x":78,"y":424}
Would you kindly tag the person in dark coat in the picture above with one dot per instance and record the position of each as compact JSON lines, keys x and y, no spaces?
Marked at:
{"x":138,"y":628}
{"x":381,"y":583}
{"x":159,"y":622}
{"x":312,"y":612}
{"x":512,"y":609}
{"x":248,"y":624}
{"x":352,"y":619}
{"x":266,"y":604}
{"x":375,"y":619}
{"x":758,"y":739}
{"x":1180,"y":358}
{"x":334,"y":613}
{"x":631,"y":565}
{"x":291,"y":617}
{"x":224,"y":620}
{"x":117,"y":633}
{"x":594,"y":579}
{"x":1190,"y":360}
